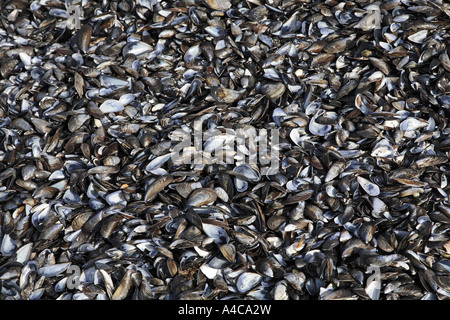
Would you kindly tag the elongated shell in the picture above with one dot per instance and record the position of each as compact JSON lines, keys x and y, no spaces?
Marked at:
{"x":200,"y":197}
{"x":156,"y":187}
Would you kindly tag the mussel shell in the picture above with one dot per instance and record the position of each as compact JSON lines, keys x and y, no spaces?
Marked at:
{"x":247,"y":281}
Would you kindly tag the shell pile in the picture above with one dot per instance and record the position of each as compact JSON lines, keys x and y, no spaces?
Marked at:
{"x":95,"y":94}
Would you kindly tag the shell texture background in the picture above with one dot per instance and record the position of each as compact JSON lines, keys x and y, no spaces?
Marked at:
{"x":95,"y":96}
